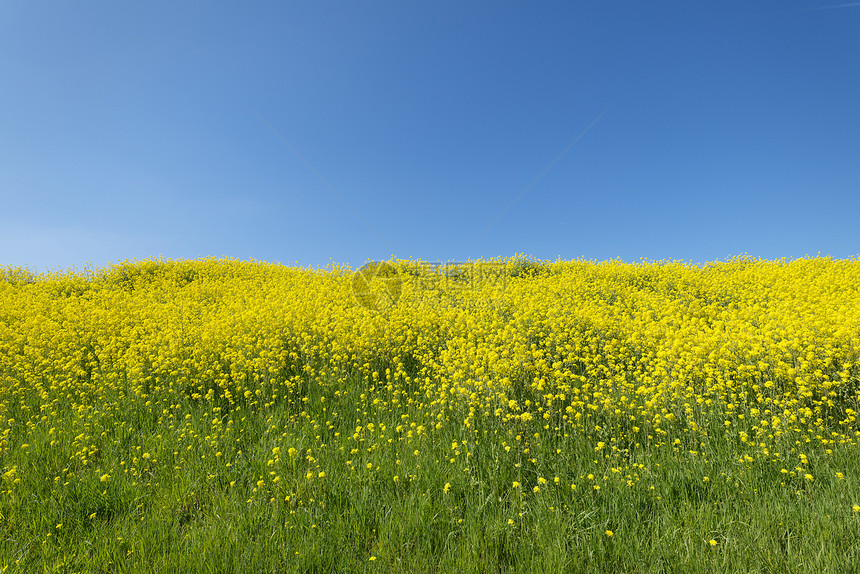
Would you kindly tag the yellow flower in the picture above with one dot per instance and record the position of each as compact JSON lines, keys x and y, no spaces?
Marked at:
{"x":712,"y":542}
{"x":610,"y":533}
{"x":105,"y":477}
{"x":447,"y":487}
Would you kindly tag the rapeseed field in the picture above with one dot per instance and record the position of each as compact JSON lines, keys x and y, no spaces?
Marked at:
{"x":509,"y":415}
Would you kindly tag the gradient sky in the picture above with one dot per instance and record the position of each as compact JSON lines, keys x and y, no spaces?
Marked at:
{"x":311,"y":132}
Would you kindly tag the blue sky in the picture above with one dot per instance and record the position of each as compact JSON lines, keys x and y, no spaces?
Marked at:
{"x":311,"y":132}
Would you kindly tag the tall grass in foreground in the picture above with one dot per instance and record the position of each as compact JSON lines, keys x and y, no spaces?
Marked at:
{"x":512,"y":417}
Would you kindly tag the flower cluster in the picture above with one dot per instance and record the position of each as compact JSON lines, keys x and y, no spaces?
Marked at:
{"x":663,"y":355}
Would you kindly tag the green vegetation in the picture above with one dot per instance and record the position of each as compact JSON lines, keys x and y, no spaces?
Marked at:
{"x":220,"y":416}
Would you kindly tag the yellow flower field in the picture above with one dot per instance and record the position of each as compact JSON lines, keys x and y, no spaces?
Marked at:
{"x":166,"y":392}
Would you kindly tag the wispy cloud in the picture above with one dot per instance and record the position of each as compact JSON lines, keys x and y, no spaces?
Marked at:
{"x":539,"y":176}
{"x":833,"y":6}
{"x":45,"y":247}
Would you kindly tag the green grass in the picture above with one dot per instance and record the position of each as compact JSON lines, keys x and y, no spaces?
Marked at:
{"x":183,"y":509}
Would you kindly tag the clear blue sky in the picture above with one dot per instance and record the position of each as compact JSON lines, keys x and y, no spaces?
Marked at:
{"x":138,"y":129}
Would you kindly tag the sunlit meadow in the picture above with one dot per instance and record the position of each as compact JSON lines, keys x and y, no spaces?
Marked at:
{"x":492,"y":416}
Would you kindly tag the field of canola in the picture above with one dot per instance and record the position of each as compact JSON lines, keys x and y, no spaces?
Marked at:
{"x":506,"y":415}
